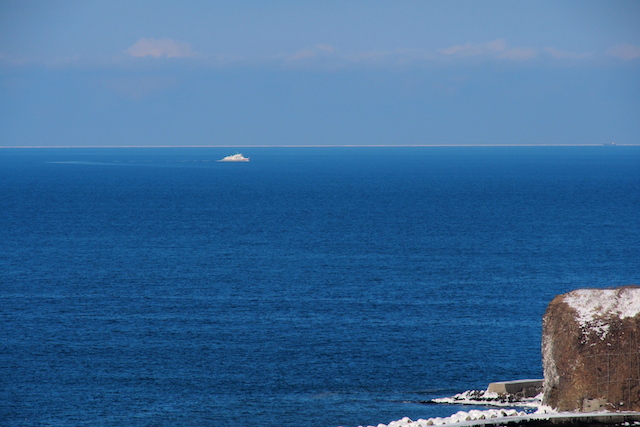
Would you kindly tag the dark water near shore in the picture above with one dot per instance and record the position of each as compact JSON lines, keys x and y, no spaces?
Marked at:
{"x":311,"y":286}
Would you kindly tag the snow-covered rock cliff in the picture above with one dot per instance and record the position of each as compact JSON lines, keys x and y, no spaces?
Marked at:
{"x":590,"y":350}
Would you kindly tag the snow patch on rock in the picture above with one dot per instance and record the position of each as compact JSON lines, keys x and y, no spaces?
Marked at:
{"x":593,"y":306}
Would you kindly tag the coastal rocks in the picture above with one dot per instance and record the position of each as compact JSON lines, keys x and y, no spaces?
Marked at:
{"x":491,"y":397}
{"x":482,"y":417}
{"x":591,"y":350}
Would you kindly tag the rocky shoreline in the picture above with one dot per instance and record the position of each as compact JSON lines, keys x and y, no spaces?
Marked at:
{"x":566,"y":419}
{"x":591,"y":364}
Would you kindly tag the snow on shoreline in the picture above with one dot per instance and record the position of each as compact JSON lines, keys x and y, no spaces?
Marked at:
{"x":455,"y":418}
{"x":459,"y":419}
{"x":467,"y":418}
{"x":476,"y":397}
{"x":481,"y":397}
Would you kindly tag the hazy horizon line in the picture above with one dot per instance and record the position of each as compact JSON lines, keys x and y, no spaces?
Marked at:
{"x":318,"y":146}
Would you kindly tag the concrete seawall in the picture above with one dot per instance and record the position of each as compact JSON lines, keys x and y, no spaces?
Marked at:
{"x":520,"y":388}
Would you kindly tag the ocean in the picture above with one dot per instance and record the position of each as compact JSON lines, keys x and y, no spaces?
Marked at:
{"x":312,"y":286}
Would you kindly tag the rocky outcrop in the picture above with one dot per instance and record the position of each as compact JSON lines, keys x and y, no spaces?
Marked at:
{"x":591,"y":352}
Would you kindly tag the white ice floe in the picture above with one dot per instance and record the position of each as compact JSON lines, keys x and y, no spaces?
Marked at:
{"x":591,"y":305}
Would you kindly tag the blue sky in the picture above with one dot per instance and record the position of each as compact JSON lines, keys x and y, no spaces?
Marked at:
{"x":236,"y":73}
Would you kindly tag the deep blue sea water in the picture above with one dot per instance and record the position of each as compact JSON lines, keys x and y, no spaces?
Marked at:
{"x":309,"y":287}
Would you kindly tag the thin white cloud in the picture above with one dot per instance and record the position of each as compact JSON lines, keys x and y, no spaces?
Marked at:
{"x":518,"y":53}
{"x":561,"y":54}
{"x":325,"y":48}
{"x":469,"y":49}
{"x":312,"y":52}
{"x":496,"y":48}
{"x":303,"y":54}
{"x":627,"y":52}
{"x":390,"y":57}
{"x":372,"y":56}
{"x":160,"y":48}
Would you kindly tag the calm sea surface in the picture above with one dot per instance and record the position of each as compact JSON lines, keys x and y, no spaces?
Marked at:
{"x":310,"y":287}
